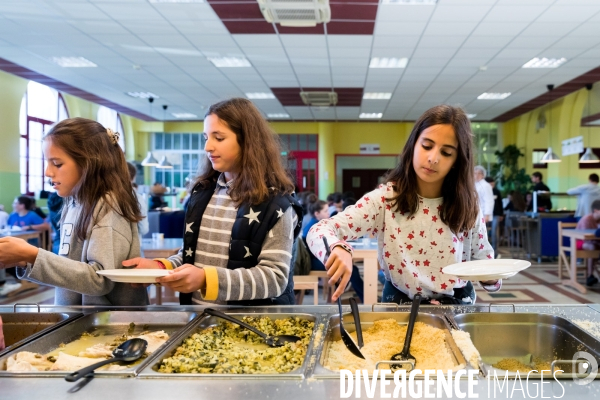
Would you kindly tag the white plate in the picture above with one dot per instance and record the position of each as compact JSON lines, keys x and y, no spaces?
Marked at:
{"x":134,"y":275}
{"x":486,"y":270}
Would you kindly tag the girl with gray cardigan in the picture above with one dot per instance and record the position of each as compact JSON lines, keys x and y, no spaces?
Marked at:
{"x":99,"y":220}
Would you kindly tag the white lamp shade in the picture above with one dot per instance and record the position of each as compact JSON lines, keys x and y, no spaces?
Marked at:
{"x":589,"y":156}
{"x":149,"y":161}
{"x":550,"y":157}
{"x":164,"y":163}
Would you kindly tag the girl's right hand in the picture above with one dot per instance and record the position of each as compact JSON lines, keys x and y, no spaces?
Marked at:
{"x":142,"y":263}
{"x":339,"y":266}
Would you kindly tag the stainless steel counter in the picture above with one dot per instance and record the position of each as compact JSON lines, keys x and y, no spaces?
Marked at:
{"x":287,"y":389}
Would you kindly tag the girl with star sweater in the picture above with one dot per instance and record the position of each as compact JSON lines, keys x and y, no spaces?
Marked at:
{"x":425,"y":217}
{"x":241,"y":219}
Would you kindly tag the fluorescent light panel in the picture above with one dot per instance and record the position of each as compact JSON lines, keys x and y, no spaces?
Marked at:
{"x":411,"y":2}
{"x":493,"y":96}
{"x":260,"y":96}
{"x":388,"y":62}
{"x":377,"y":96}
{"x":370,"y":115}
{"x":184,"y":115}
{"x":278,"y":115}
{"x":73,"y":62}
{"x":544,"y":62}
{"x":176,"y":1}
{"x":229,"y":62}
{"x":471,"y":116}
{"x":143,"y":95}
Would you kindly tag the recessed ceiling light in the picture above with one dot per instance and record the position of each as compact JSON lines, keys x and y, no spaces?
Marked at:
{"x":278,"y":115}
{"x":73,"y":62}
{"x":370,"y":115}
{"x":229,"y":62}
{"x":260,"y":96}
{"x":544,"y":62}
{"x":377,"y":96}
{"x":471,"y":116}
{"x":411,"y":2}
{"x":184,"y":115}
{"x":388,"y":62}
{"x":493,"y":96}
{"x":143,"y":95}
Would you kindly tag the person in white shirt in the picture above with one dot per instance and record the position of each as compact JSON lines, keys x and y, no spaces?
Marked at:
{"x":424,"y":217}
{"x":485,"y":193}
{"x":586,"y":195}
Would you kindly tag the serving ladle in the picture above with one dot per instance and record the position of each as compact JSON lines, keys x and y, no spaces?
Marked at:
{"x":273,"y":341}
{"x":128,"y":351}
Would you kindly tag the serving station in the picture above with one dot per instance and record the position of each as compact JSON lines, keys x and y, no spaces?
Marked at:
{"x":550,"y":333}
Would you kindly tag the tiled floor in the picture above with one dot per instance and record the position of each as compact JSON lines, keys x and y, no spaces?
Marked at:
{"x":538,"y":284}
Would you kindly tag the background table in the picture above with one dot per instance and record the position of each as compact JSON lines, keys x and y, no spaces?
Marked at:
{"x":574,"y":234}
{"x":161,"y":249}
{"x":368,"y":254}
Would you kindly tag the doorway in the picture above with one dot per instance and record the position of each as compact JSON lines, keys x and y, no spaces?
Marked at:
{"x":361,"y":181}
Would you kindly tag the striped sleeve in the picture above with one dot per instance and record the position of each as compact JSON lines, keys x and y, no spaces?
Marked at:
{"x":177,"y":259}
{"x":269,"y":277}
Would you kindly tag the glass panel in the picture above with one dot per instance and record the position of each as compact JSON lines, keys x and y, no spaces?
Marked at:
{"x":36,"y":131}
{"x":158,"y":141}
{"x":168,"y":141}
{"x":194,"y":163}
{"x":195,"y":141}
{"x":23,"y":149}
{"x":159,"y":176}
{"x":313,"y":164}
{"x":35,"y":149}
{"x":42,"y":101}
{"x":23,"y":183}
{"x":178,"y":180}
{"x":293,"y":142}
{"x":23,"y":118}
{"x":312,"y":142}
{"x":167,"y":182}
{"x":35,"y":183}
{"x":107,"y":117}
{"x":121,"y":130}
{"x":303,"y":142}
{"x":177,"y":141}
{"x":186,"y":161}
{"x":23,"y":166}
{"x":305,"y":163}
{"x":35,"y":166}
{"x":62,"y":110}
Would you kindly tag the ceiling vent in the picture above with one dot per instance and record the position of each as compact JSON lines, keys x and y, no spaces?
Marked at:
{"x":299,"y":13}
{"x":319,"y":99}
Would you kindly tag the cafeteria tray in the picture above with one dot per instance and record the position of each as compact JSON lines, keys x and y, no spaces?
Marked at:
{"x":106,"y":322}
{"x":206,"y":321}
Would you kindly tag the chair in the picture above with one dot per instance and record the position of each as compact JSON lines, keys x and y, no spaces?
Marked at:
{"x":327,"y":290}
{"x":306,"y":282}
{"x":515,"y":232}
{"x":564,"y":248}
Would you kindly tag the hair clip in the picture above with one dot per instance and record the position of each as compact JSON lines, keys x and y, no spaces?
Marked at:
{"x":114,"y":136}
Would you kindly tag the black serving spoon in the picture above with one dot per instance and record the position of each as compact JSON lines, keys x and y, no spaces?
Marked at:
{"x":356,"y":316}
{"x":405,"y":358}
{"x":346,"y":338}
{"x":273,"y":341}
{"x":128,"y":351}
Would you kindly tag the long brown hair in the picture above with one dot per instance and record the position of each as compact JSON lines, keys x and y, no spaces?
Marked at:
{"x":460,"y":206}
{"x":261,"y":163}
{"x":103,"y":168}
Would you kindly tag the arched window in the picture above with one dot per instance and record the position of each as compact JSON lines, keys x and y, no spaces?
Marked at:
{"x":109,"y":118}
{"x":41,"y":107}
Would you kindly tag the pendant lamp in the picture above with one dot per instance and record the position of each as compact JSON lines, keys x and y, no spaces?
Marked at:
{"x":149,"y":161}
{"x":164,"y":163}
{"x":589,"y":156}
{"x":550,"y":156}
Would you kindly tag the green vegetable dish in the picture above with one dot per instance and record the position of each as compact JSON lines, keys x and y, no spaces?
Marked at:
{"x":230,"y":349}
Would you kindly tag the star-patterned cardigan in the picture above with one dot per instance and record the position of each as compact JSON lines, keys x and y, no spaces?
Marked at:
{"x":411,"y":250}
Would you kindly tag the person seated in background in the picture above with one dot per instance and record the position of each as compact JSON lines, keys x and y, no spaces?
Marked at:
{"x":516,"y":202}
{"x":528,"y":201}
{"x":318,"y":211}
{"x":543,"y":200}
{"x":156,"y":196}
{"x":24,"y":218}
{"x":36,"y":209}
{"x":590,"y":221}
{"x":350,"y":201}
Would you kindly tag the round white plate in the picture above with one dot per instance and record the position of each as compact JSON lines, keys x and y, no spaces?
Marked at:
{"x":133,"y":275}
{"x":486,"y":270}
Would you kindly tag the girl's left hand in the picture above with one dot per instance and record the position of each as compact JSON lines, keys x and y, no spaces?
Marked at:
{"x":15,"y":251}
{"x":185,"y":279}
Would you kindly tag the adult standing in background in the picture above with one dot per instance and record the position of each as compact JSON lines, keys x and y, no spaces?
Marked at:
{"x":586,"y":195}
{"x":55,"y":203}
{"x":543,"y":201}
{"x":485,"y":193}
{"x":498,"y":213}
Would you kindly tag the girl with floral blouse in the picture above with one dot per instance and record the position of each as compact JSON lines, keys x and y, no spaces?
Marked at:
{"x":425,"y":217}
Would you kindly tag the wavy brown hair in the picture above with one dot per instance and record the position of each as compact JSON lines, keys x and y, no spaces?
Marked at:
{"x":103,"y":169}
{"x":460,"y":206}
{"x":261,"y":163}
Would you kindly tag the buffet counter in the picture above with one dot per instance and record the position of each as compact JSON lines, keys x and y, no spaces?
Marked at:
{"x":508,"y":330}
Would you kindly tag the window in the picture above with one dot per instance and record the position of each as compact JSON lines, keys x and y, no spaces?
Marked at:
{"x":183,"y":150}
{"x":486,"y":144}
{"x":536,"y":157}
{"x":109,"y":118}
{"x":41,"y":107}
{"x":302,"y":160}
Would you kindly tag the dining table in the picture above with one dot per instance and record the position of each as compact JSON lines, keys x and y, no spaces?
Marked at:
{"x":26,"y":235}
{"x":574,"y":235}
{"x":162,"y":248}
{"x":366,"y":250}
